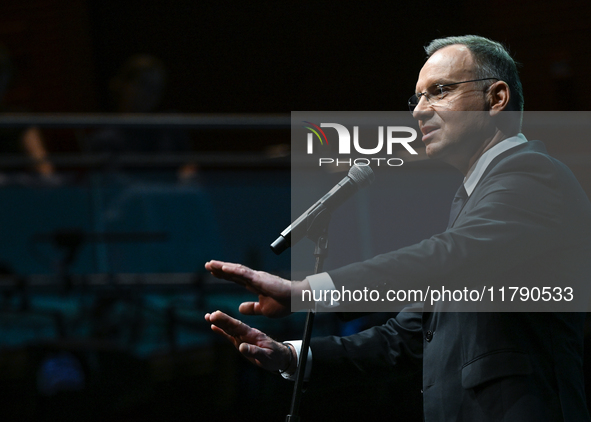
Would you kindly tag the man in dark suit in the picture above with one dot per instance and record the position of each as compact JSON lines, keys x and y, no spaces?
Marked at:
{"x":519,"y":219}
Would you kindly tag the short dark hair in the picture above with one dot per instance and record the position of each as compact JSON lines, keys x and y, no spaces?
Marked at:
{"x":492,"y":59}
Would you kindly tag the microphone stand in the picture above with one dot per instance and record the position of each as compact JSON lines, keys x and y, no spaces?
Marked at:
{"x":318,"y":231}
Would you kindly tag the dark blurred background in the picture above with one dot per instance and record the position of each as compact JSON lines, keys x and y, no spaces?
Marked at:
{"x":228,"y":56}
{"x":105,"y":227}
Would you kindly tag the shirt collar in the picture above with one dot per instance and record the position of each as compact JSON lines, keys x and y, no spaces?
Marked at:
{"x":475,"y":173}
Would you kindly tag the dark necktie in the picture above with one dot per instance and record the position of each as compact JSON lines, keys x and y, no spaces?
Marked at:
{"x":457,"y":204}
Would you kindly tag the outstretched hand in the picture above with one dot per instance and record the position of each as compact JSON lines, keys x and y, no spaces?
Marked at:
{"x":255,"y":345}
{"x":274,"y":292}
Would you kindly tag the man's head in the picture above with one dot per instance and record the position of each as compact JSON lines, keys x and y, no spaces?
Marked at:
{"x":491,"y":59}
{"x":461,"y":92}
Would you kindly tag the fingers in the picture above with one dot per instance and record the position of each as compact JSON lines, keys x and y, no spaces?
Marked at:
{"x":258,"y":282}
{"x":229,"y":325}
{"x":228,"y":337}
{"x":251,"y":343}
{"x":218,"y":330}
{"x":274,"y":292}
{"x":237,"y":273}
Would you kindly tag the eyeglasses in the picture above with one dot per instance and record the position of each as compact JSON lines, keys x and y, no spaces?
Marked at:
{"x":437,"y":95}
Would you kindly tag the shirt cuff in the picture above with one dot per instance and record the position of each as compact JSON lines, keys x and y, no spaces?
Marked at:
{"x":321,"y":284}
{"x":297,"y":345}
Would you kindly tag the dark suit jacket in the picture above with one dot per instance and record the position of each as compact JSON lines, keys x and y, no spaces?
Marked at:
{"x":527,"y":222}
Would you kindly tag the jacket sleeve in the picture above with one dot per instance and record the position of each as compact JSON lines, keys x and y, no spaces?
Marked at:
{"x":394,"y":348}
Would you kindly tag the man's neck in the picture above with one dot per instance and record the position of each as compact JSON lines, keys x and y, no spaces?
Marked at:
{"x":466,"y":165}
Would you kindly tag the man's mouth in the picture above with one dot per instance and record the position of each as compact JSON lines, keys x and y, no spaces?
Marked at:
{"x":427,"y":132}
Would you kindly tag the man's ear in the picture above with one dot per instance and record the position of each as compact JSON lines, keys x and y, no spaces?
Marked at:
{"x":498,"y":97}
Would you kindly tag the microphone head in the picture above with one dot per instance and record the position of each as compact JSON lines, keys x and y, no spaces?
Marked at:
{"x":363,"y":176}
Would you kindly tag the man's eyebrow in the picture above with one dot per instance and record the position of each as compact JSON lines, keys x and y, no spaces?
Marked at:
{"x":443,"y":82}
{"x":434,"y":84}
{"x":438,"y":82}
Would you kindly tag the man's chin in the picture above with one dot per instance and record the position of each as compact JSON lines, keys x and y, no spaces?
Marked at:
{"x":432,"y":151}
{"x":435,"y":152}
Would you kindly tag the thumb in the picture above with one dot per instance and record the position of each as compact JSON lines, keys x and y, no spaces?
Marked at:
{"x":250,"y":308}
{"x":249,"y":350}
{"x":262,"y":357}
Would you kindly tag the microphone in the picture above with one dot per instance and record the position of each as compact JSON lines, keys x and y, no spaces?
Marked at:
{"x":357,"y":178}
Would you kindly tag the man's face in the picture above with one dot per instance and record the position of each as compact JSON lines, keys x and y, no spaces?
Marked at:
{"x":450,"y":133}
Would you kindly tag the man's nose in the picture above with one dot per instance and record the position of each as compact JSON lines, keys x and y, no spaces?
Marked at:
{"x":422,"y":109}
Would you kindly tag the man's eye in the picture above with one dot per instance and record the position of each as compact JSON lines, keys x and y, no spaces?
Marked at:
{"x":442,"y":91}
{"x":434,"y":92}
